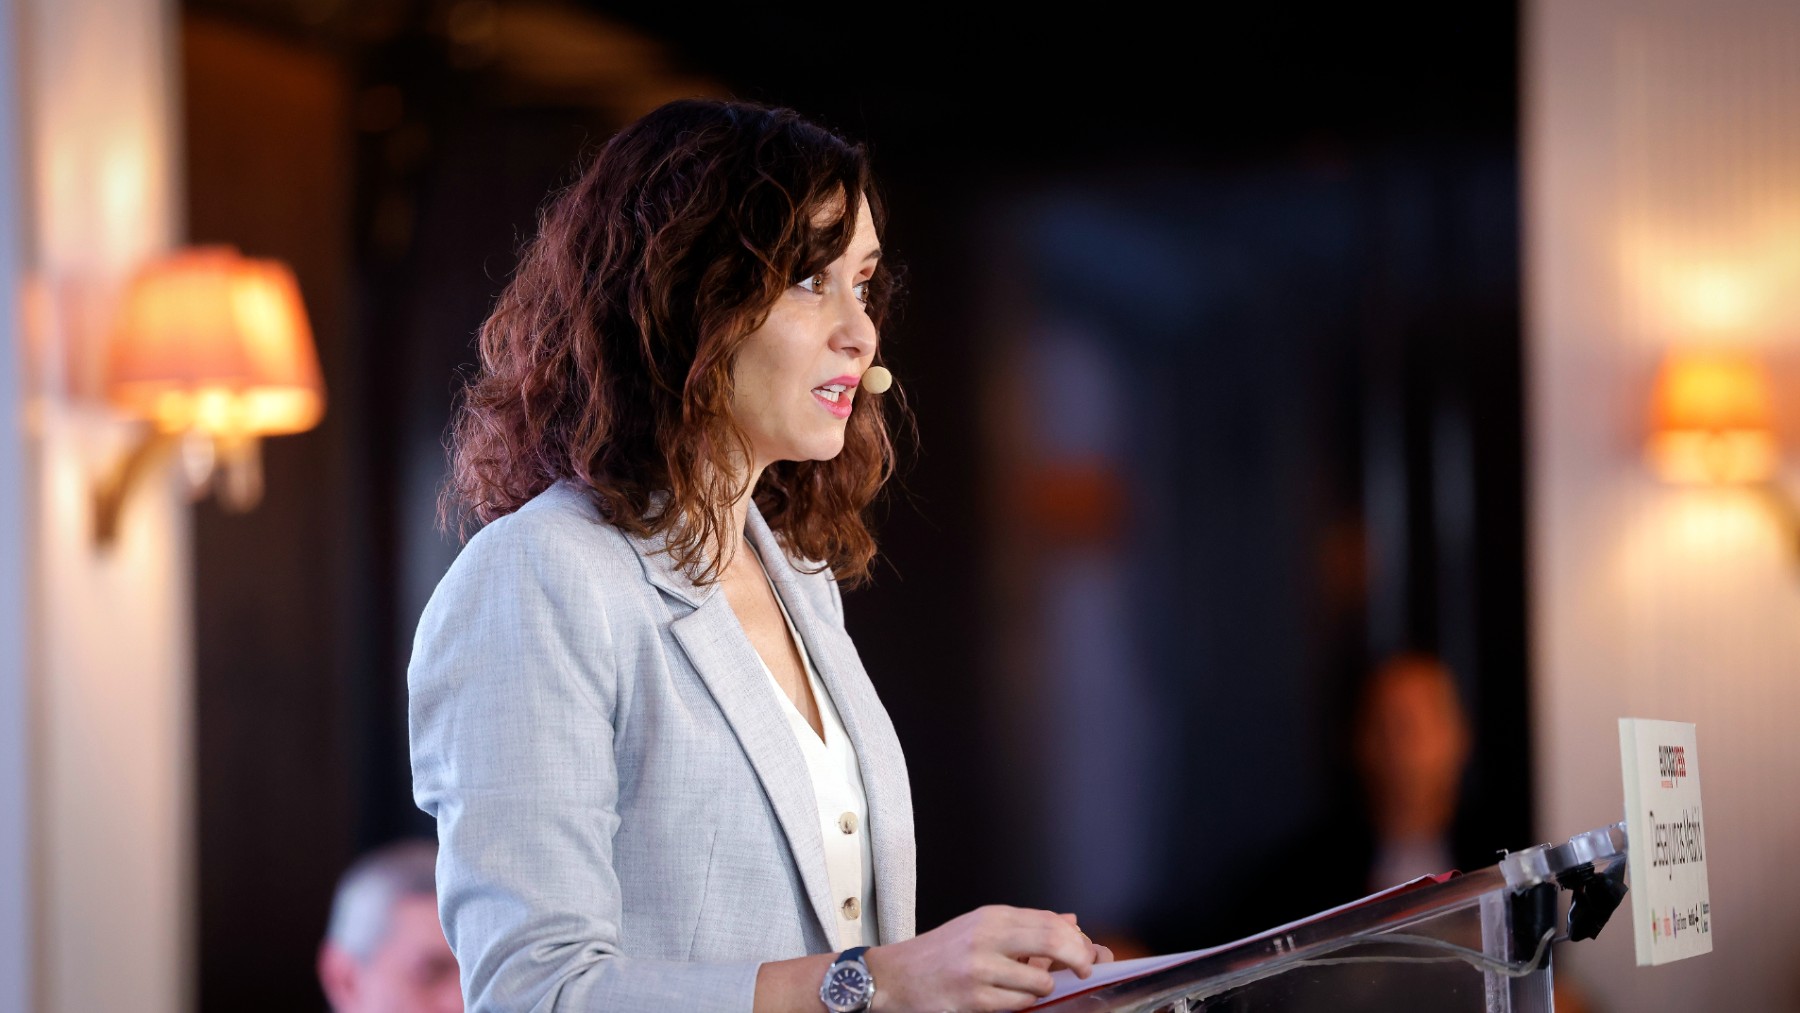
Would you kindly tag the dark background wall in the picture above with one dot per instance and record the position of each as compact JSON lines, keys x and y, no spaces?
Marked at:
{"x":1213,"y":340}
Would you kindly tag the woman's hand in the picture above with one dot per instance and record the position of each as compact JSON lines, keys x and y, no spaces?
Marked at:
{"x":1102,"y":955}
{"x":983,"y":962}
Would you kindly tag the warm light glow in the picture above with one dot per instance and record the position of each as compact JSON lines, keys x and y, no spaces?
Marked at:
{"x":1713,"y":283}
{"x":1695,"y":531}
{"x":212,"y":341}
{"x":1718,"y":299}
{"x":1711,"y":421}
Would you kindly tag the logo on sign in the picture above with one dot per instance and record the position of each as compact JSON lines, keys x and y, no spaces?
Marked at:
{"x":1671,"y":763}
{"x":1697,"y":918}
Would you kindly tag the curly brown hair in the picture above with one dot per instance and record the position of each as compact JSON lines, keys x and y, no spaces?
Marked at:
{"x":608,"y":357}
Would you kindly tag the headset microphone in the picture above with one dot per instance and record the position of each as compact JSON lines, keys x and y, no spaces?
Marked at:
{"x":877,"y":379}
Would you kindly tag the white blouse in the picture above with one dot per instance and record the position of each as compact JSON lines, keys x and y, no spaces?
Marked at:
{"x":838,"y":787}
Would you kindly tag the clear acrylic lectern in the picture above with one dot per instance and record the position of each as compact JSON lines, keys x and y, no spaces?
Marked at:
{"x":1477,"y":941}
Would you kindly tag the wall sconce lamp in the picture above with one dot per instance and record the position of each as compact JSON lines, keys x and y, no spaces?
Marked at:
{"x":213,"y":350}
{"x":1712,"y":423}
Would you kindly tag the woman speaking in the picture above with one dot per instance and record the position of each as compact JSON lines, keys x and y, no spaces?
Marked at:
{"x":661,"y":777}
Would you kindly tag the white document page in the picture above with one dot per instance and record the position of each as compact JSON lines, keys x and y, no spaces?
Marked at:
{"x":1068,"y":984}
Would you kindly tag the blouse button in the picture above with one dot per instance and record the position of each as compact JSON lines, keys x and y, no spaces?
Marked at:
{"x":847,"y":823}
{"x":852,"y":909}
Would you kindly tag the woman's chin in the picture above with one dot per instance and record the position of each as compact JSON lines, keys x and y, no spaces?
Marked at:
{"x":825,"y":450}
{"x":815,"y":445}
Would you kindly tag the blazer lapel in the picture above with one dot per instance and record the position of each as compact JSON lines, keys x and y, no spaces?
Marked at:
{"x":720,"y":652}
{"x":885,"y":783}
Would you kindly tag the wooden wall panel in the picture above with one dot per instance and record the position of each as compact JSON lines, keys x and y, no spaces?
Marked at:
{"x":268,"y":148}
{"x":1663,"y":189}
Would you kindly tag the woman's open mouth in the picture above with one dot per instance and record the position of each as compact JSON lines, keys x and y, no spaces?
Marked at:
{"x":835,"y":397}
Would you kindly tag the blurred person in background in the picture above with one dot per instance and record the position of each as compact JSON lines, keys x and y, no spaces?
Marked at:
{"x":1397,"y":817}
{"x":1412,"y":746}
{"x":661,"y":775}
{"x":384,"y":951}
{"x":1409,"y":743}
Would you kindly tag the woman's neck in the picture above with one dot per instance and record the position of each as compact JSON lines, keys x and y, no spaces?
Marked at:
{"x":740,"y":515}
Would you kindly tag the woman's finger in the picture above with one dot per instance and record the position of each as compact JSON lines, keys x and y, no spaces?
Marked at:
{"x":1101,"y":954}
{"x":1015,"y":975}
{"x":1036,"y":935}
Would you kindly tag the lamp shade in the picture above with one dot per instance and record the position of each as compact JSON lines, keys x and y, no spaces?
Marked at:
{"x":1711,"y":420}
{"x":210,"y":340}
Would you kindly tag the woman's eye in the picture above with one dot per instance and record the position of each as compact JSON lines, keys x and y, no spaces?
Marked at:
{"x":818,"y":283}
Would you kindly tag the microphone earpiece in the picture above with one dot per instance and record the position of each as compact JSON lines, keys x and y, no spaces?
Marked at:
{"x":877,"y":379}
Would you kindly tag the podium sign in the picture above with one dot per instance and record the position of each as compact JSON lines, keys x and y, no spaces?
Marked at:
{"x":1671,"y":908}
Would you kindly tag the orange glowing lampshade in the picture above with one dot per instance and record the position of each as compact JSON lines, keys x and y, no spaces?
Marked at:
{"x":212,"y":341}
{"x":1711,"y":421}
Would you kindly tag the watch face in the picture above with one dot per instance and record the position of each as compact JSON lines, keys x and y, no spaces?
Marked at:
{"x":847,"y":987}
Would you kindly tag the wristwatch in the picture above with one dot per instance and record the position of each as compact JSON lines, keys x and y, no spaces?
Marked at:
{"x":848,"y":986}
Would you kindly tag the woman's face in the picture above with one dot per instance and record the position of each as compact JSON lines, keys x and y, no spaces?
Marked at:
{"x":796,"y":376}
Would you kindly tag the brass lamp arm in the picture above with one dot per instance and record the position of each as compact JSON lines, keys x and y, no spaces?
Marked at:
{"x":1786,"y":509}
{"x":110,"y":493}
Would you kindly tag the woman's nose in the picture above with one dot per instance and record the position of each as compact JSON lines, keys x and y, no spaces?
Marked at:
{"x":855,"y":334}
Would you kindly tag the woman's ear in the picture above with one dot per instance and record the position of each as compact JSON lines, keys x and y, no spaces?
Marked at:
{"x":339,"y":977}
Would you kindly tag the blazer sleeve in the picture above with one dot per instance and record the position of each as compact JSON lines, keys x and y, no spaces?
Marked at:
{"x":513,"y":694}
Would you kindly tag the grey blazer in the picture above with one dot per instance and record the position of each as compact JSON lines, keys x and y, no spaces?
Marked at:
{"x":625,"y":821}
